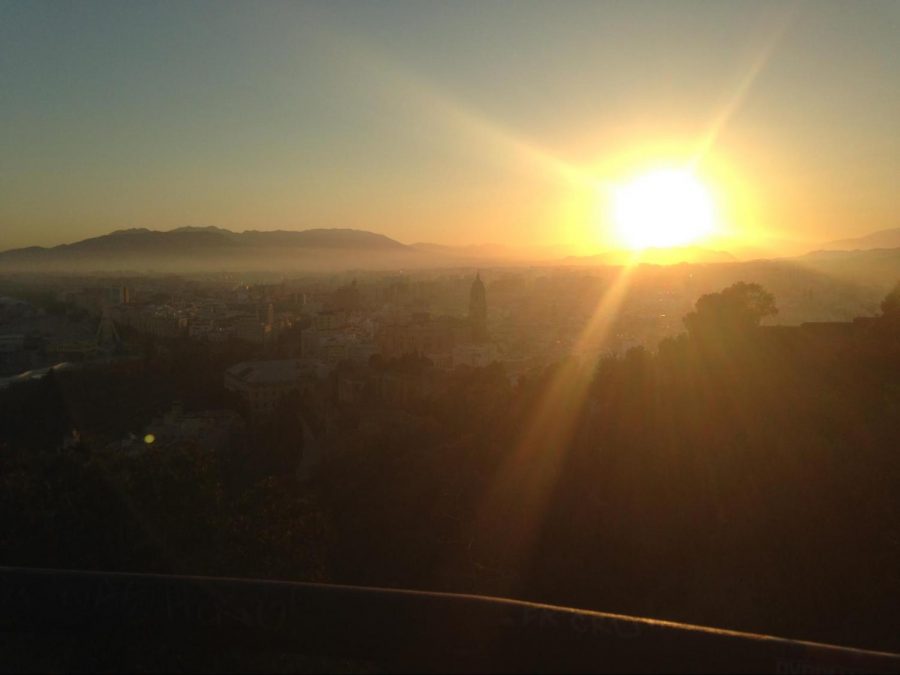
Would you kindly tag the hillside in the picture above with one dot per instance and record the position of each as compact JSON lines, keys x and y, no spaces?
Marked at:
{"x":881,"y":239}
{"x":193,"y":248}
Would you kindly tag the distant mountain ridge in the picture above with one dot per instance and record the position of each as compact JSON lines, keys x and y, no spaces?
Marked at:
{"x":490,"y":251}
{"x":214,"y":249}
{"x":138,"y":237}
{"x":656,"y":256}
{"x":205,"y":247}
{"x":889,"y":238}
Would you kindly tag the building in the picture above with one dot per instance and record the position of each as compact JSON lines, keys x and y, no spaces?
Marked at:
{"x":262,"y":384}
{"x":155,"y":320}
{"x":333,"y":337}
{"x":476,"y":355}
{"x":251,"y":329}
{"x":824,"y":338}
{"x":97,"y":298}
{"x":12,"y":309}
{"x":107,"y":339}
{"x":421,"y":334}
{"x":406,"y":386}
{"x":478,"y":310}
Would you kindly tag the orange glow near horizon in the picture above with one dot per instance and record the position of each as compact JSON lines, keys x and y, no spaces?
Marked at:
{"x":658,"y":195}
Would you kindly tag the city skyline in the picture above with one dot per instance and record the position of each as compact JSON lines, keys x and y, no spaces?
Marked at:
{"x":450,"y":336}
{"x":455,"y":124}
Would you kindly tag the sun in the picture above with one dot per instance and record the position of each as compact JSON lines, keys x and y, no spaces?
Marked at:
{"x":661,"y":209}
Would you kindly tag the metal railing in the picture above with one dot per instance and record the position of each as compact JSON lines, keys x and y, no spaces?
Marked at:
{"x":393,"y":629}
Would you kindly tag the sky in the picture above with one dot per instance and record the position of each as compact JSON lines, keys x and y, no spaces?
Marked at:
{"x":452,"y":122}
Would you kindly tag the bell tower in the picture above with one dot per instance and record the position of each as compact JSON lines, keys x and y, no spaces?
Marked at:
{"x":478,"y":310}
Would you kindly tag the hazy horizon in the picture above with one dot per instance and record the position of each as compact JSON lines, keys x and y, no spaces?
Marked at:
{"x":450,"y":336}
{"x":447,"y":123}
{"x":512,"y":250}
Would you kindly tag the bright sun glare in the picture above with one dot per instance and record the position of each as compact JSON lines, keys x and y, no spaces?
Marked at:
{"x":661,"y":209}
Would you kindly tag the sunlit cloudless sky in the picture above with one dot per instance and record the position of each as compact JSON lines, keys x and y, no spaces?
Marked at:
{"x":455,"y":122}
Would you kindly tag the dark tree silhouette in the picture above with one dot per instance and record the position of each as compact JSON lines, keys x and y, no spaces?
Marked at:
{"x":736,"y":309}
{"x":736,"y":477}
{"x":890,"y":306}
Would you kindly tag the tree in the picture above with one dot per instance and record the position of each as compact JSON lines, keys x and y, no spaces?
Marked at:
{"x":737,"y":309}
{"x":890,"y":306}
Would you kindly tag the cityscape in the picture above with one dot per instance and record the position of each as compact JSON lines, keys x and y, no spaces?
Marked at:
{"x":449,"y":337}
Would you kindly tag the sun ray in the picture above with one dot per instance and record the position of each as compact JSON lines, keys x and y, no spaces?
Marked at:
{"x":738,"y":97}
{"x":529,"y":475}
{"x":393,"y":83}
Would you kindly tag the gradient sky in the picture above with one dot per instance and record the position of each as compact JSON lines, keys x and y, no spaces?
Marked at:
{"x":455,"y":122}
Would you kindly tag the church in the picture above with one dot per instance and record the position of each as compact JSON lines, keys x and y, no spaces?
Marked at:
{"x":478,"y":310}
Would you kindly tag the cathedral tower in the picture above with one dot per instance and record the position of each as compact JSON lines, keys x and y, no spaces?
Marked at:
{"x":478,"y":310}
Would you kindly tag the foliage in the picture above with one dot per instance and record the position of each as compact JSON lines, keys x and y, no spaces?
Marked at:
{"x":158,"y":511}
{"x":755,"y":487}
{"x":736,"y":309}
{"x":890,"y":306}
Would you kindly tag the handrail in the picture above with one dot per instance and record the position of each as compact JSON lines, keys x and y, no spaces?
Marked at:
{"x":396,"y":629}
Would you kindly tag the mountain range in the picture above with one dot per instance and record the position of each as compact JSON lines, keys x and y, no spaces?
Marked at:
{"x":882,"y":239}
{"x":656,"y":256}
{"x":207,"y":248}
{"x":213,"y":249}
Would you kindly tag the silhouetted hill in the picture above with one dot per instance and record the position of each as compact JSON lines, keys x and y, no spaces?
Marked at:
{"x":497,"y":253}
{"x":212,"y":247}
{"x":656,"y":256}
{"x":475,"y":250}
{"x":880,"y":266}
{"x":881,"y":239}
